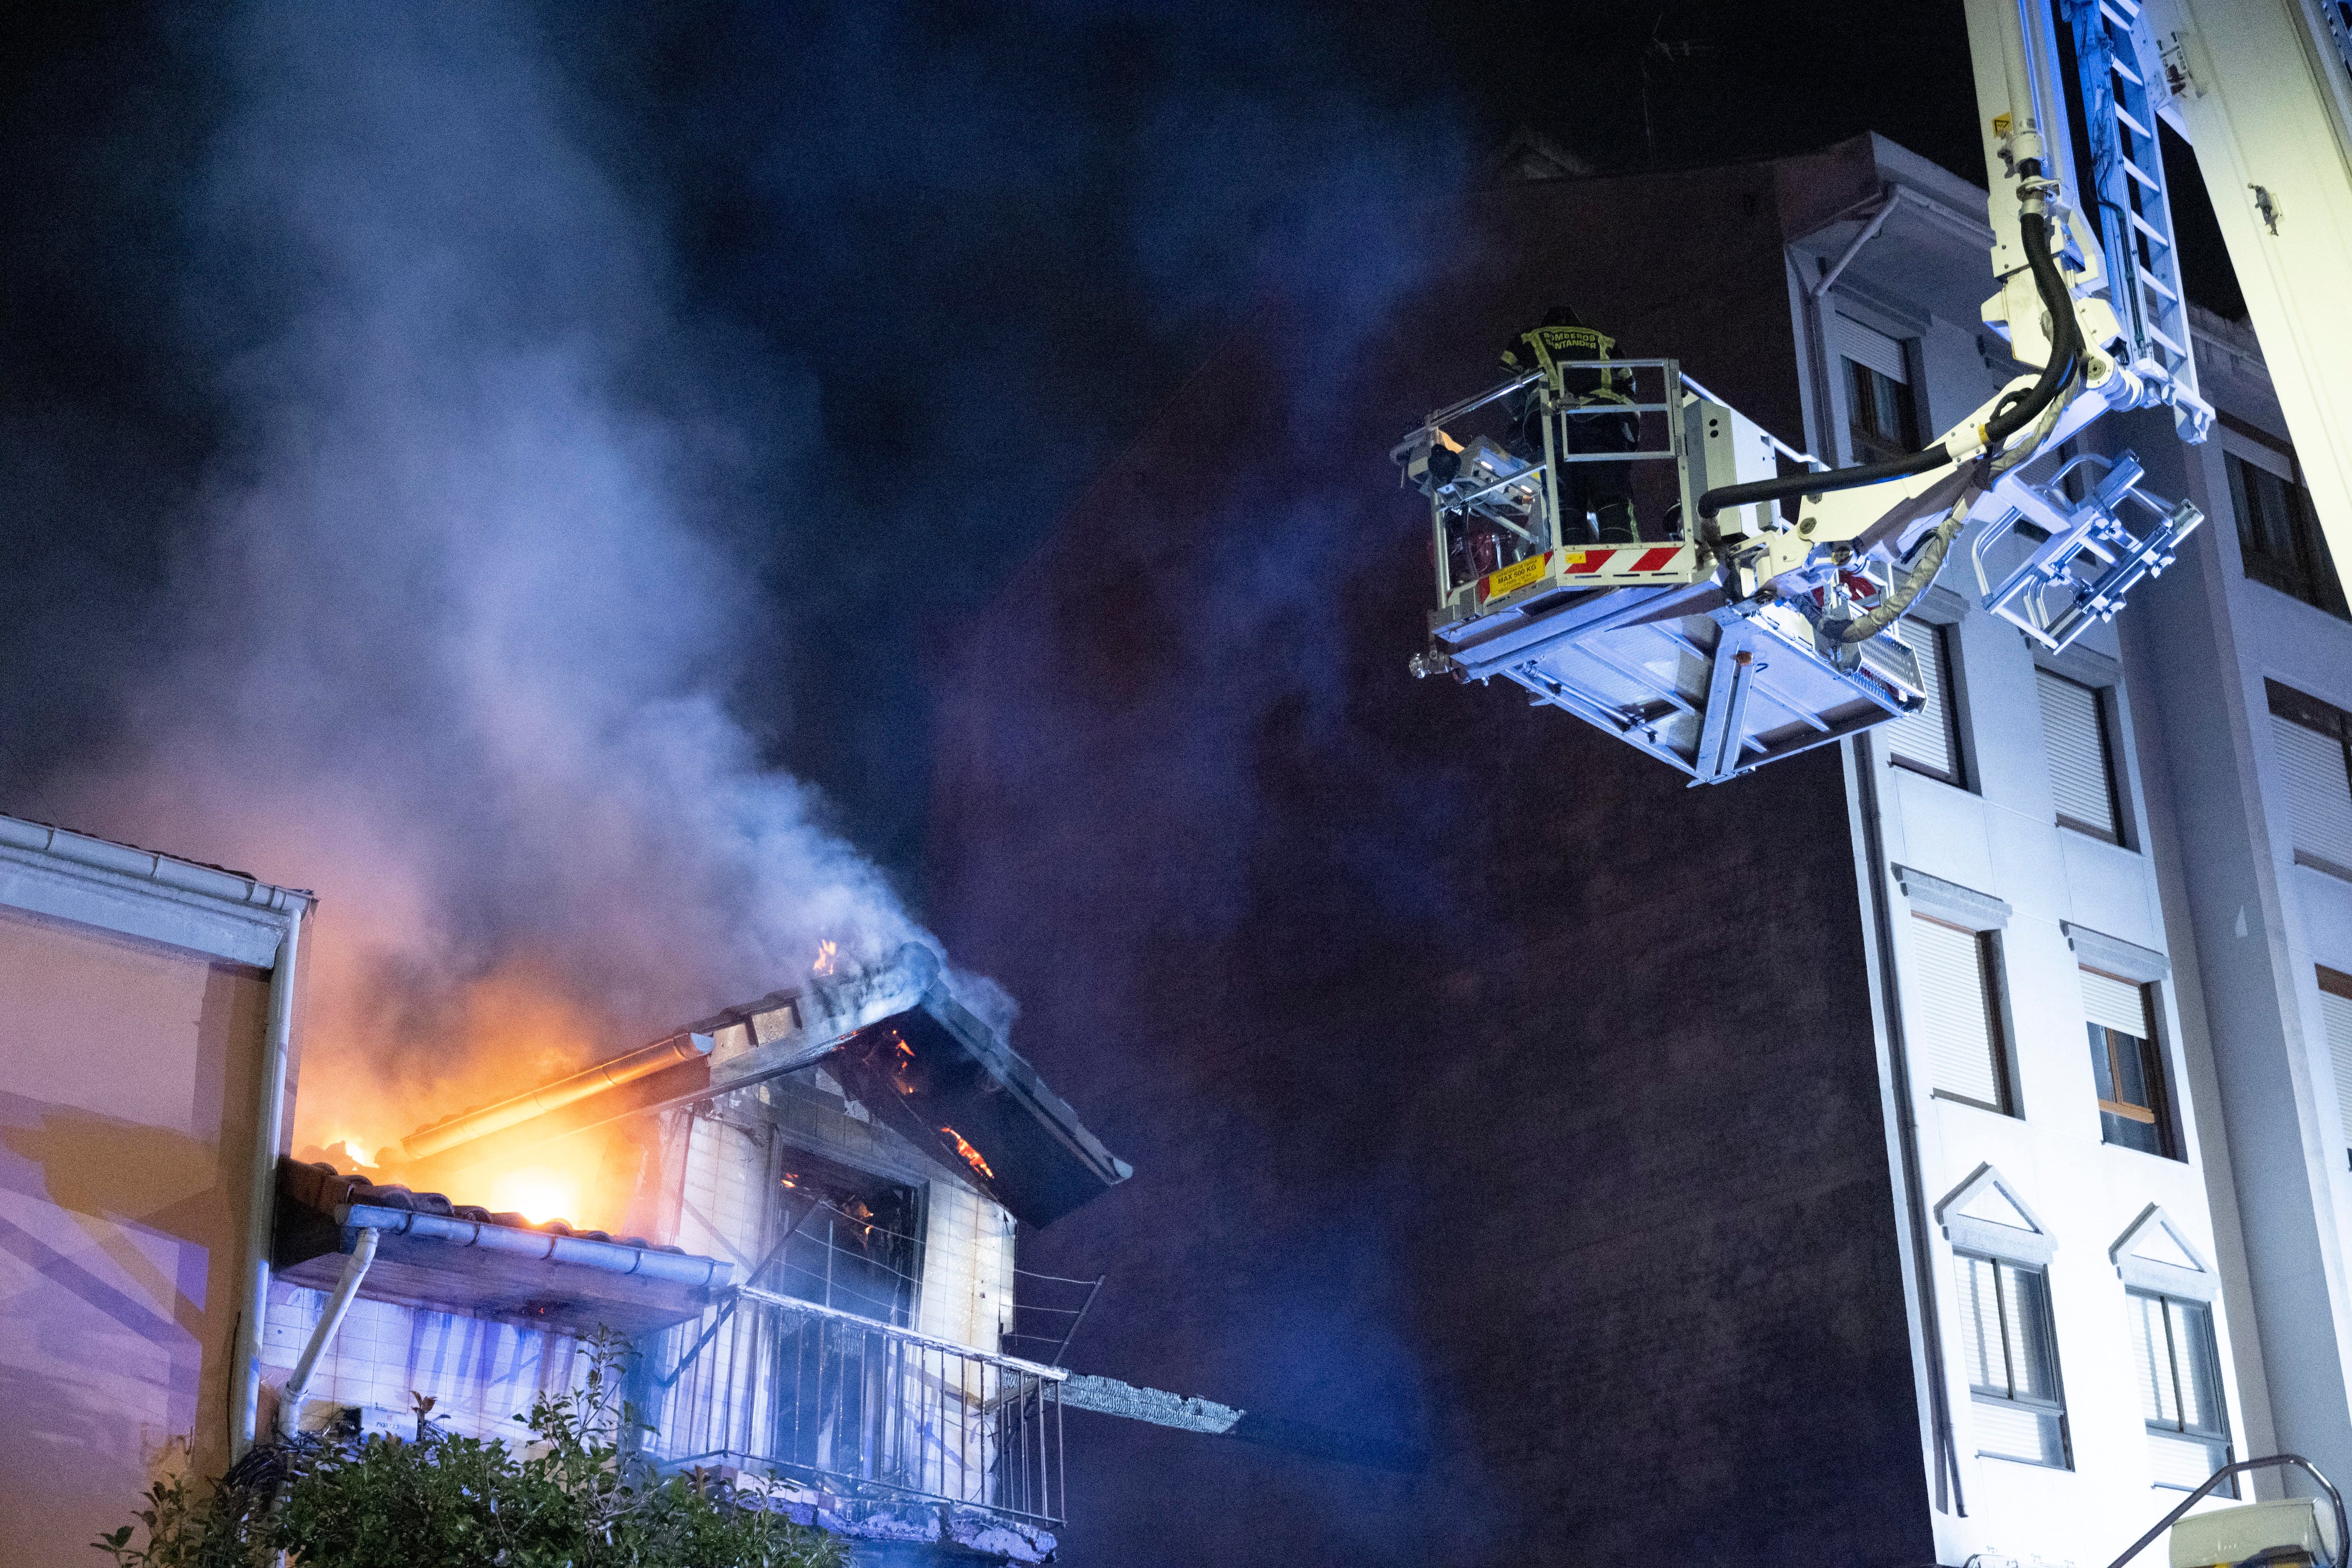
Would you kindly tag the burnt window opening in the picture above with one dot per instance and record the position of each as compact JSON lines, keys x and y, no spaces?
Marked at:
{"x":846,"y":1239}
{"x":2127,"y":1066}
{"x":2279,"y":542}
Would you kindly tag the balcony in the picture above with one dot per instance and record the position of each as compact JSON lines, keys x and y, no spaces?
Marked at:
{"x":861,"y":1427}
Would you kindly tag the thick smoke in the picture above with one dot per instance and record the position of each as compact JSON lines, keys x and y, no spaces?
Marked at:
{"x":451,"y":634}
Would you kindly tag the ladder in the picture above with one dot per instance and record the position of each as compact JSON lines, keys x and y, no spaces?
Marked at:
{"x":2122,"y":89}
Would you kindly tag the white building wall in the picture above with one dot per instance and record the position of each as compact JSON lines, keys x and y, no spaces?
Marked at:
{"x":482,"y":1376}
{"x":1997,"y":835}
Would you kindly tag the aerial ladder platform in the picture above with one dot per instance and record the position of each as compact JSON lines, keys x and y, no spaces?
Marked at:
{"x":1745,"y":610}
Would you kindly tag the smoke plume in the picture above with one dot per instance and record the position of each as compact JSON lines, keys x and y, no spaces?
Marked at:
{"x":450,"y":635}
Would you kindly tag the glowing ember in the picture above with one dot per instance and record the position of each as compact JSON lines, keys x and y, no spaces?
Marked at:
{"x":537,"y":1192}
{"x":828,"y":958}
{"x":971,"y":1157}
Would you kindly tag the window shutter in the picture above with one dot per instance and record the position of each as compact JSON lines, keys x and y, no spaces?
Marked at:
{"x":1868,"y":345}
{"x":2117,"y":1004}
{"x":2335,"y":1011}
{"x":1926,"y":737}
{"x":2078,"y":753}
{"x":1955,"y":1012}
{"x":2319,"y":796}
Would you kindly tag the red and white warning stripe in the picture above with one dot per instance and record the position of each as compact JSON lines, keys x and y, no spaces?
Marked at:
{"x":1592,"y":566}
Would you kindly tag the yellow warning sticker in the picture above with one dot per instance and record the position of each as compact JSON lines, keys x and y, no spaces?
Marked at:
{"x":1511,"y":579}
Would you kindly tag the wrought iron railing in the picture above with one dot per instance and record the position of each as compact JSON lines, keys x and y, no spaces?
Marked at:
{"x":797,"y":1392}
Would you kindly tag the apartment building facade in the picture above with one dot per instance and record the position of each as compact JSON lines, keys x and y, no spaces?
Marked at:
{"x":2107,"y":1226}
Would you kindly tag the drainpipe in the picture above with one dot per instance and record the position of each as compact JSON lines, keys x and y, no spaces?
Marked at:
{"x":331,"y":1318}
{"x":261,"y":1206}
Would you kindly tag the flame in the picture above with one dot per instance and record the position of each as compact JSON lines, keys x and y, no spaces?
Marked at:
{"x":537,"y":1193}
{"x":828,"y":958}
{"x":352,"y":1149}
{"x":971,"y":1157}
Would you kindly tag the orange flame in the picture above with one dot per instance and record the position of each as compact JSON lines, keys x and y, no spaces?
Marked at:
{"x":971,"y":1157}
{"x":828,"y":958}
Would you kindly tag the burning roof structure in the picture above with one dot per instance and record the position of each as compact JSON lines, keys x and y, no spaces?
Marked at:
{"x":436,"y":1254}
{"x":893,"y":1036}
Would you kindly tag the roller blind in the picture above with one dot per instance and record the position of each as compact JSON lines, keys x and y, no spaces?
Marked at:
{"x":1868,"y":345}
{"x":1927,"y":738}
{"x":2336,"y":1012}
{"x":2077,"y":743}
{"x":2117,"y":1004}
{"x":1958,"y":1038}
{"x":2318,"y":794}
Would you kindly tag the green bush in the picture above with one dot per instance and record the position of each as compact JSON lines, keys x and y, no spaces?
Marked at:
{"x":568,"y":1501}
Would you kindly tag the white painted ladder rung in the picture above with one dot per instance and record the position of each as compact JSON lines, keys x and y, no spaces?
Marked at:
{"x":2150,"y":281}
{"x":2115,"y":63}
{"x":2137,"y":173}
{"x":2151,"y":230}
{"x":2144,"y":134}
{"x":2177,"y":351}
{"x":2122,"y":13}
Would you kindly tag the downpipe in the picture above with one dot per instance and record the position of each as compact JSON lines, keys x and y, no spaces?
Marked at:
{"x":261,"y":1204}
{"x":331,"y":1318}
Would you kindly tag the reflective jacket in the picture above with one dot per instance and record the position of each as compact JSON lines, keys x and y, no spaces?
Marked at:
{"x":1553,"y":349}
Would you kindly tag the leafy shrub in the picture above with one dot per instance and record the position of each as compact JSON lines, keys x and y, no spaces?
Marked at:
{"x":569,"y":1500}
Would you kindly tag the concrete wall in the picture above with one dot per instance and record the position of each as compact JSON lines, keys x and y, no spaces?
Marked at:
{"x":1485,"y":1087}
{"x":128,"y":1089}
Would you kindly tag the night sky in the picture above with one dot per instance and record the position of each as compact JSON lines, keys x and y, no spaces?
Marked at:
{"x":977,"y":245}
{"x":846,"y":308}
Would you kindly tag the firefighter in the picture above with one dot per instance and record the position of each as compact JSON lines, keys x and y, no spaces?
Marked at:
{"x":1596,"y":499}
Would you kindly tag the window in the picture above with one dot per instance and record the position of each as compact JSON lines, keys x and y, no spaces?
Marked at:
{"x":2335,"y":1014}
{"x":2179,"y":1389}
{"x":1956,"y":987}
{"x":844,"y":1238}
{"x":2279,"y":542}
{"x":2311,"y":737}
{"x":2012,"y":1360}
{"x":1883,"y":419}
{"x":2127,"y":1065}
{"x":1928,"y":741}
{"x":2082,"y":769}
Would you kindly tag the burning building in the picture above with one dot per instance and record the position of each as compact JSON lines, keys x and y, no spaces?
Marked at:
{"x":826,"y":1182}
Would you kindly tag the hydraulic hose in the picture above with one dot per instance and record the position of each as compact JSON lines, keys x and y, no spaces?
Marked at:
{"x":2065,"y":354}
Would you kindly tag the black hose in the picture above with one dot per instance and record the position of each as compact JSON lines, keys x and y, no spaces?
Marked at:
{"x":2065,"y":352}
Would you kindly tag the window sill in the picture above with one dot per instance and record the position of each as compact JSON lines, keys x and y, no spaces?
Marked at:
{"x":2029,"y":1464}
{"x":1948,"y":1098}
{"x":2095,"y":834}
{"x":1921,"y":770}
{"x":2143,"y":1153}
{"x":2322,"y":864}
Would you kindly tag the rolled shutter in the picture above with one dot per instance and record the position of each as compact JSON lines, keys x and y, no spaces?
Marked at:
{"x":2336,"y":1013}
{"x":2117,"y":1004}
{"x":2318,"y":794}
{"x":1926,"y":737}
{"x":1868,"y":345}
{"x":1954,"y":1012}
{"x":2077,"y":741}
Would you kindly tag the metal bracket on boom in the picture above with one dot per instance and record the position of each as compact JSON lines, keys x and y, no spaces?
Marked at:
{"x":2087,"y":559}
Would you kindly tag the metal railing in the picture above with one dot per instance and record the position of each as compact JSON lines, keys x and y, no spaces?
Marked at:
{"x":798,"y":1392}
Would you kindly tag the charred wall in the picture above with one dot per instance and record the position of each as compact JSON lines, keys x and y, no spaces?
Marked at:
{"x":1485,"y":1087}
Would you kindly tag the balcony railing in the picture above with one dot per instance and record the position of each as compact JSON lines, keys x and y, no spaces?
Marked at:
{"x":858,"y":1409}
